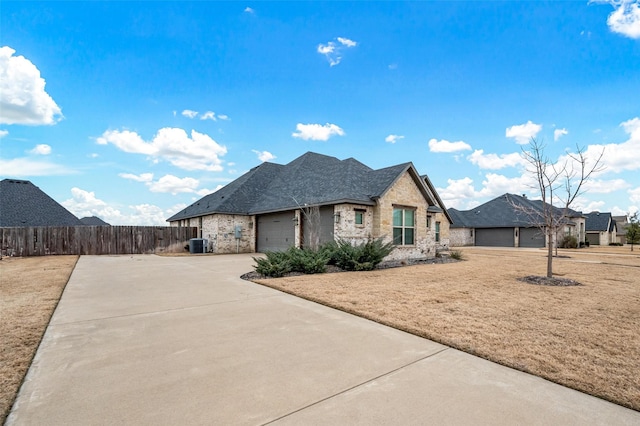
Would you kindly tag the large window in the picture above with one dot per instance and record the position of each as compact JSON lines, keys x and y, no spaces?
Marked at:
{"x":437,"y":232}
{"x":360,"y":217}
{"x":404,"y":226}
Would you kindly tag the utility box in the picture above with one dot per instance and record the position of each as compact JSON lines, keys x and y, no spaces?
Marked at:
{"x":238,"y":232}
{"x":197,"y":245}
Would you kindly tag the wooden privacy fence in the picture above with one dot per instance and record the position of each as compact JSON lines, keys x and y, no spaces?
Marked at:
{"x":46,"y":240}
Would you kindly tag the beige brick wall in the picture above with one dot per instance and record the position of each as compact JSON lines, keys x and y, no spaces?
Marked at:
{"x":460,"y":237}
{"x":405,"y":193}
{"x":219,"y":230}
{"x":346,"y":227}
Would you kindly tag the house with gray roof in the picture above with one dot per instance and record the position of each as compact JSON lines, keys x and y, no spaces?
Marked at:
{"x":316,"y":199}
{"x":511,"y":221}
{"x":24,"y":204}
{"x":601,"y":229}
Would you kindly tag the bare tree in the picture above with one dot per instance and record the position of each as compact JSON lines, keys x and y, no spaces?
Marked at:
{"x":633,"y":230}
{"x":558,"y":183}
{"x":312,"y":224}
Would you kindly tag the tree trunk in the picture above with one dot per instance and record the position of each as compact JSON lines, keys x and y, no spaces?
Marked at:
{"x":550,"y":257}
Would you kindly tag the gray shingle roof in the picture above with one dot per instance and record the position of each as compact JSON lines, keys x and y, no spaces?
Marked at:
{"x":93,"y":221}
{"x":311,"y":179}
{"x":597,"y":221}
{"x":24,"y":204}
{"x":501,"y":213}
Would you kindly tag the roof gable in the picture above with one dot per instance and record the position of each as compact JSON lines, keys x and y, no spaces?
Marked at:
{"x":597,"y":221}
{"x":24,"y":204}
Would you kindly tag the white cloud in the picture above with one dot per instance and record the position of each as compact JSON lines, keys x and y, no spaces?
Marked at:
{"x":209,"y":115}
{"x":3,"y":133}
{"x":24,"y":167}
{"x":41,"y":149}
{"x":144,"y":177}
{"x":393,"y":138}
{"x":223,"y":117}
{"x":495,"y":184}
{"x":446,"y":146}
{"x":174,"y":185}
{"x":85,"y":203}
{"x":625,"y":19}
{"x":558,"y":133}
{"x":599,"y":186}
{"x":249,"y":10}
{"x":523,"y":133}
{"x":317,"y":132}
{"x":198,"y":152}
{"x":458,"y":192}
{"x":24,"y":99}
{"x":593,"y":206}
{"x":347,"y":42}
{"x":190,"y":113}
{"x":264,"y":155}
{"x":333,"y":51}
{"x":494,"y":161}
{"x":622,"y":156}
{"x":634,"y":195}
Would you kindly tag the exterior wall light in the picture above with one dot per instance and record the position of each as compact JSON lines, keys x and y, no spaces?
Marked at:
{"x":336,"y":217}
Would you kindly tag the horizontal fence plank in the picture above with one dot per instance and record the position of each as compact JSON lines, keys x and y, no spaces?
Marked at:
{"x":95,"y":240}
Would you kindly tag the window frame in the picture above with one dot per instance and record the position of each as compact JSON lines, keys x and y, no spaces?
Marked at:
{"x":437,"y":232}
{"x":405,"y":230}
{"x":361,"y":214}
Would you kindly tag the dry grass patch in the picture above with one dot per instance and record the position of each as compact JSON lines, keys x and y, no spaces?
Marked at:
{"x":30,"y":288}
{"x":585,"y":337}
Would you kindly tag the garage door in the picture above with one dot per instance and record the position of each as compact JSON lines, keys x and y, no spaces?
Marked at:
{"x":275,"y":231}
{"x":531,"y":237}
{"x":593,"y":239}
{"x":321,"y":226}
{"x":494,"y":237}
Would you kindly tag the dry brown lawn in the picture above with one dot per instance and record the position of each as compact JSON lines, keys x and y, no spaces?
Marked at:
{"x":29,"y":292}
{"x":585,"y":337}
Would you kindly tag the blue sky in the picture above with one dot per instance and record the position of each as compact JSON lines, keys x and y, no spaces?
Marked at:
{"x":131,"y":111}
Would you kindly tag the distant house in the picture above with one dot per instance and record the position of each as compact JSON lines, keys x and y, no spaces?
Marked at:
{"x":24,"y":204}
{"x":601,"y":229}
{"x":510,"y":221}
{"x":317,"y":198}
{"x":621,"y":228}
{"x":93,"y":221}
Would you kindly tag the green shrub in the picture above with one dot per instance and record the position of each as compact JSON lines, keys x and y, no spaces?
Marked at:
{"x":615,"y":244}
{"x":307,"y":261}
{"x":362,"y":257}
{"x":569,"y":241}
{"x":276,"y":264}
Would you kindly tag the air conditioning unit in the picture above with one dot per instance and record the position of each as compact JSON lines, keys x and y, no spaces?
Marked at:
{"x":197,"y":245}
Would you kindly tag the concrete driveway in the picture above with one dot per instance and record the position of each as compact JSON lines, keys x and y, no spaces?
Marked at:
{"x":151,"y":340}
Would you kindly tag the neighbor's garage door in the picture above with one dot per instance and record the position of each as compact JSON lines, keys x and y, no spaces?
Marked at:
{"x":593,"y":239}
{"x":494,"y":237}
{"x":275,"y":232}
{"x":531,"y":237}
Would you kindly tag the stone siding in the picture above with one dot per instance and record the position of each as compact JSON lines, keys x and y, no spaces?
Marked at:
{"x":405,"y":193}
{"x":461,"y":237}
{"x":219,"y":231}
{"x":346,"y":227}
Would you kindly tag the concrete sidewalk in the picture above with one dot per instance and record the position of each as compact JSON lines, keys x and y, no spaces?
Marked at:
{"x":150,"y":340}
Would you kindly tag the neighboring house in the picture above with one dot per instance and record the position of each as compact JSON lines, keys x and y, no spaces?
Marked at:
{"x":621,"y":228}
{"x":24,"y":204}
{"x":510,"y":221}
{"x":317,"y":198}
{"x":93,"y":221}
{"x":601,"y":229}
